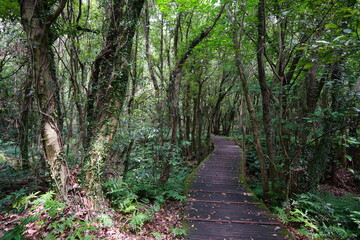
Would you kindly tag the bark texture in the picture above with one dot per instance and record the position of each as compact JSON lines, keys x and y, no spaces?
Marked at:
{"x":265,"y":90}
{"x":108,"y":87}
{"x":36,"y":19}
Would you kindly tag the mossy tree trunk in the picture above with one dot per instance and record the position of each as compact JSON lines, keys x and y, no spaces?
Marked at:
{"x":37,"y":19}
{"x":25,"y":123}
{"x":108,"y":85}
{"x":324,"y":157}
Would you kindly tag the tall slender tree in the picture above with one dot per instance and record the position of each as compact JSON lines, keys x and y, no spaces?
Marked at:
{"x":265,"y":89}
{"x":37,"y":19}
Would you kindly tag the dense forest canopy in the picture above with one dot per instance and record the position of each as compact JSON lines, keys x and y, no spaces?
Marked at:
{"x":108,"y":103}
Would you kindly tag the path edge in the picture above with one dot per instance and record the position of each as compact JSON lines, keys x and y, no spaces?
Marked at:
{"x":188,"y":185}
{"x":242,"y":180}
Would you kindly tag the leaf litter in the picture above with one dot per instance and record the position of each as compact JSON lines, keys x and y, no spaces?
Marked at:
{"x":162,"y":224}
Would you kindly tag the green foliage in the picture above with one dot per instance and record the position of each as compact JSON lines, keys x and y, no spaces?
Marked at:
{"x":157,"y":235}
{"x":77,"y":229}
{"x":60,"y":223}
{"x":106,"y":220}
{"x":11,"y":192}
{"x":9,"y":9}
{"x":2,"y":157}
{"x":49,"y":204}
{"x":120,"y":195}
{"x":149,"y":191}
{"x":123,"y":197}
{"x":130,"y":197}
{"x":178,"y":232}
{"x":17,"y":231}
{"x":355,"y":216}
{"x":146,"y":161}
{"x":140,"y":197}
{"x":138,"y":219}
{"x":253,"y":163}
{"x":17,"y":200}
{"x":324,"y":216}
{"x":56,"y":222}
{"x":23,"y":201}
{"x":7,"y":149}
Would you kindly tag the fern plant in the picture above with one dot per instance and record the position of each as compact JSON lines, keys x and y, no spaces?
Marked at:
{"x":57,"y":223}
{"x":324,"y":216}
{"x":178,"y":232}
{"x":120,"y":196}
{"x":17,"y":232}
{"x":138,"y":219}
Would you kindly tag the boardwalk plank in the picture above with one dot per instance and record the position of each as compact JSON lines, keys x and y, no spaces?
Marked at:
{"x":221,"y":196}
{"x":219,"y":206}
{"x":230,"y":231}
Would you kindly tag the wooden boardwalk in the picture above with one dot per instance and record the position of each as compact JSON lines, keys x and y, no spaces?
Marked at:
{"x":219,"y":206}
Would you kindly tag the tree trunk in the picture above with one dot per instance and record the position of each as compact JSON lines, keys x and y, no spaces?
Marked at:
{"x":108,"y":85}
{"x":243,"y":139}
{"x":255,"y":126}
{"x":265,"y":91}
{"x":37,"y":21}
{"x":324,"y":153}
{"x":25,"y":123}
{"x":78,"y":92}
{"x":198,"y":123}
{"x":354,"y":150}
{"x":256,"y":131}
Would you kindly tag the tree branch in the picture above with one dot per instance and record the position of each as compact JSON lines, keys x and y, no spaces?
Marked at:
{"x":84,"y":29}
{"x":57,"y":12}
{"x":196,"y":41}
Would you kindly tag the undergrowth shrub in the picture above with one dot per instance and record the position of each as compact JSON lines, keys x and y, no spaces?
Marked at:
{"x":120,"y":195}
{"x":10,"y":174}
{"x":49,"y":219}
{"x":11,"y":202}
{"x":324,"y":216}
{"x":141,"y":199}
{"x":17,"y":232}
{"x":139,"y":218}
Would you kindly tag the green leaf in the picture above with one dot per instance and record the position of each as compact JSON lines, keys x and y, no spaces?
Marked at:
{"x":106,"y":220}
{"x":138,"y":219}
{"x":308,"y":65}
{"x":9,"y":9}
{"x":330,"y":25}
{"x":328,"y":57}
{"x":178,"y":232}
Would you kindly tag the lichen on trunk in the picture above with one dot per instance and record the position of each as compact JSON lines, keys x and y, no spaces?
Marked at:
{"x":108,"y":86}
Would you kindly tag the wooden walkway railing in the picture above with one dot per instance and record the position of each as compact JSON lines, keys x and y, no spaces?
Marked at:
{"x":218,"y":205}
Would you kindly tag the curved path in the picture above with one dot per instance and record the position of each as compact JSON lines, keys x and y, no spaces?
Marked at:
{"x":220,"y":207}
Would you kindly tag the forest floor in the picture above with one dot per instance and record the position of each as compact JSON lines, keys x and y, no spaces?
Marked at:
{"x":160,"y":226}
{"x":345,"y":181}
{"x":165,"y":222}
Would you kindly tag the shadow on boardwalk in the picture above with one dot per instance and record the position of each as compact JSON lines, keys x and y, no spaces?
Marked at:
{"x":219,"y":207}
